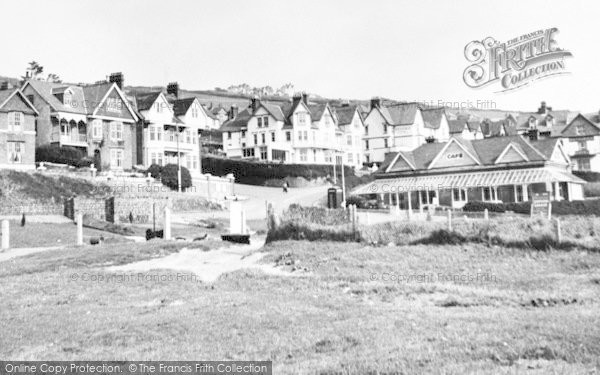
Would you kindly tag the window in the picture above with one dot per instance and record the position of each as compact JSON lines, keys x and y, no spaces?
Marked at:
{"x":195,"y":162}
{"x":299,"y":136}
{"x":188,"y":136}
{"x":116,"y":158}
{"x":583,"y":164}
{"x":349,"y":140}
{"x":67,"y":97}
{"x":228,"y":135}
{"x":159,"y":131}
{"x":384,"y":129}
{"x":255,"y":139}
{"x":459,"y":195}
{"x":194,"y":111}
{"x":303,"y":155}
{"x":350,"y":158}
{"x":259,"y":122}
{"x":116,"y":131}
{"x":301,"y":118}
{"x":263,"y":138}
{"x":243,"y":133}
{"x":97,"y":129}
{"x":385,"y":143}
{"x":288,"y":136}
{"x":15,"y":152}
{"x":328,"y":158}
{"x":248,"y":152}
{"x":582,"y":145}
{"x":272,"y":136}
{"x":489,"y":194}
{"x":263,"y":153}
{"x":266,"y":121}
{"x":15,"y":121}
{"x":366,"y":130}
{"x":306,"y":135}
{"x":519,"y":193}
{"x":159,"y":158}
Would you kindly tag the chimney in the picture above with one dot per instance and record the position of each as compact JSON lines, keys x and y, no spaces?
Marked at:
{"x":305,"y":98}
{"x":542,"y":108}
{"x":254,"y":103}
{"x":118,"y":79}
{"x":346,"y":103}
{"x":173,"y":88}
{"x":297,"y":98}
{"x":233,"y":112}
{"x":3,"y":85}
{"x":375,"y":102}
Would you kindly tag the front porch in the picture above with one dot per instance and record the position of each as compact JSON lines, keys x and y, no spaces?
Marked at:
{"x":69,"y":133}
{"x":455,"y":190}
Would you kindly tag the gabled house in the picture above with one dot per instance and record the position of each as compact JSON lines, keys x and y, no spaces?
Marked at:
{"x":468,"y":130}
{"x":351,"y":123}
{"x":96,"y":119}
{"x":17,"y":130}
{"x":582,"y":143}
{"x":296,"y":132}
{"x":162,"y":136}
{"x":395,"y":127}
{"x":543,"y":123}
{"x":503,"y":169}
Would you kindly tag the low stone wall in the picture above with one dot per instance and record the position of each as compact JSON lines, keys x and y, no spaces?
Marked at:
{"x":33,"y":208}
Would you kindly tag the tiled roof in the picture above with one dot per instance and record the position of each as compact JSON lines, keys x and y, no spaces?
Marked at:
{"x":145,"y":101}
{"x":274,"y":110}
{"x":181,"y":106}
{"x":457,"y":126}
{"x":316,"y":111}
{"x":400,"y":114}
{"x":95,"y":93}
{"x":433,"y":117}
{"x":45,"y":89}
{"x":238,"y":123}
{"x":345,"y":114}
{"x":474,"y":125}
{"x":485,"y":151}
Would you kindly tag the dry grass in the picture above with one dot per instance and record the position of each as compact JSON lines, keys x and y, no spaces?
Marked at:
{"x":540,"y":313}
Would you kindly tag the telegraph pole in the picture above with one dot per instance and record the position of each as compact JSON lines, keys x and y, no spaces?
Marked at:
{"x":178,"y":161}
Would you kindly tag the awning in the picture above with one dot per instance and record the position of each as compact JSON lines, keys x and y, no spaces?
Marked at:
{"x":467,"y":180}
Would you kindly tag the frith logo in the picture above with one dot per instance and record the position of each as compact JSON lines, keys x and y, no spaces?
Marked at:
{"x":515,"y":63}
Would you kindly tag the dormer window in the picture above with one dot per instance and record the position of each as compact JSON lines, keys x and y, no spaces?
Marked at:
{"x":301,"y":118}
{"x":67,"y":97}
{"x":532,"y":122}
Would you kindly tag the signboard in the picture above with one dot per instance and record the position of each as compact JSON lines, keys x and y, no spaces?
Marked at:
{"x":540,"y":205}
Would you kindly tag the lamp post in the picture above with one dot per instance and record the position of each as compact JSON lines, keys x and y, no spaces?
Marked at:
{"x":343,"y":181}
{"x":178,"y":162}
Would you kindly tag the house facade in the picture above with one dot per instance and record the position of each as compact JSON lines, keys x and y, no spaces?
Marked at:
{"x":352,"y":125}
{"x":17,"y":130}
{"x":582,"y":142}
{"x":503,"y":169}
{"x":405,"y":126}
{"x":468,"y":130}
{"x":297,"y":132}
{"x":165,"y":136}
{"x":96,"y":119}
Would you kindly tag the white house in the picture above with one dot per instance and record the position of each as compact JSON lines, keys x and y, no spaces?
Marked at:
{"x":161,"y":135}
{"x":582,"y":142}
{"x":402,"y":127}
{"x":351,"y":122}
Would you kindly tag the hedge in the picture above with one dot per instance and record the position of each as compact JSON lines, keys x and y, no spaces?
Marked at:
{"x":256,"y":173}
{"x":586,"y":207}
{"x":62,"y":155}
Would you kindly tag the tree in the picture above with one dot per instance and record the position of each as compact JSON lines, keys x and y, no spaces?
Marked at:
{"x":34,"y":72}
{"x":53,"y":78}
{"x":169,"y":177}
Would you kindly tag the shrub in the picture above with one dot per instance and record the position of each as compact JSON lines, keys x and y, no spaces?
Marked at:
{"x":592,"y":189}
{"x":257,"y":173}
{"x":316,"y":215}
{"x":308,"y":232}
{"x":62,"y":155}
{"x":358,"y":200}
{"x":585,"y":207}
{"x":169,"y":177}
{"x":155,"y":171}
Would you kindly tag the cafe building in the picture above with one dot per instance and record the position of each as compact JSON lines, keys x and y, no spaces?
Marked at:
{"x":450,"y":174}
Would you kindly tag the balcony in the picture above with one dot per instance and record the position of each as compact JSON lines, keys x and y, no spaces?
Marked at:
{"x":582,"y":153}
{"x":73,"y":139}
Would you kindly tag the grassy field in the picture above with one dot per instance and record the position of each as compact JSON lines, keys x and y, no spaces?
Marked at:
{"x":48,"y":234}
{"x":344,"y":308}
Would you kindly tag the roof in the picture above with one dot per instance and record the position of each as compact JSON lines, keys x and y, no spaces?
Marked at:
{"x":5,"y":95}
{"x":345,"y":114}
{"x":45,"y":90}
{"x":400,"y":114}
{"x":239,"y":123}
{"x":146,"y":101}
{"x":457,"y":126}
{"x":316,"y":111}
{"x":181,"y":106}
{"x":485,"y":151}
{"x":433,"y":117}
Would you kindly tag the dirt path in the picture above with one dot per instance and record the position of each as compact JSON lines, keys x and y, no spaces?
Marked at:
{"x":207,"y":265}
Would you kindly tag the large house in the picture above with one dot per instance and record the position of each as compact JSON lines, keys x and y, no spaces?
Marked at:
{"x":404,"y":126}
{"x":17,"y":130}
{"x":168,"y":131}
{"x":502,"y":169}
{"x":96,"y":119}
{"x":466,"y":129}
{"x":351,"y":123}
{"x":582,"y":142}
{"x":296,"y":132}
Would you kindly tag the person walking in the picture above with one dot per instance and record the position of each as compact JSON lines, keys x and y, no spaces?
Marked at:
{"x":285,"y":186}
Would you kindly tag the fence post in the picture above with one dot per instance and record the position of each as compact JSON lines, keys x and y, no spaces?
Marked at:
{"x":486,"y":215}
{"x":353,"y":217}
{"x":5,"y":235}
{"x":79,"y":229}
{"x":449,"y":220}
{"x":167,"y":229}
{"x":558,"y":231}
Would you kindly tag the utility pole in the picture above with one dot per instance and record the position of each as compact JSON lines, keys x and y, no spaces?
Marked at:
{"x":343,"y":182}
{"x":178,"y":162}
{"x":334,"y":171}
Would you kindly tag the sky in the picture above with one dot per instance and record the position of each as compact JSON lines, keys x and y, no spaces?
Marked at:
{"x":403,"y":50}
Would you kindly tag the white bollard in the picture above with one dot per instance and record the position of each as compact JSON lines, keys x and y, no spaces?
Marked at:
{"x":79,"y":229}
{"x":5,"y":235}
{"x":243,"y":222}
{"x":486,"y":215}
{"x":449,"y":220}
{"x":167,"y":229}
{"x":235,"y":217}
